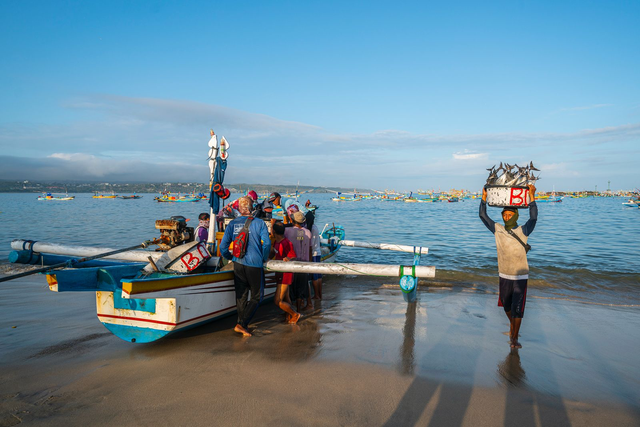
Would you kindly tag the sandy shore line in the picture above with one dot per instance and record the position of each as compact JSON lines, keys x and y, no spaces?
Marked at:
{"x":364,"y":357}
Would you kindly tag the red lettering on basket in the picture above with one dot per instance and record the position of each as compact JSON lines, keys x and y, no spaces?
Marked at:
{"x":201,"y":249}
{"x":518,"y":197}
{"x":190,"y":261}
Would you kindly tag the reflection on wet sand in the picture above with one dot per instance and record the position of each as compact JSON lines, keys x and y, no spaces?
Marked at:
{"x":510,"y":370}
{"x":407,"y":350}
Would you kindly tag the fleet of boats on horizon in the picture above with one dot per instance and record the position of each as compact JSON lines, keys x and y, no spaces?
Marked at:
{"x":432,"y":196}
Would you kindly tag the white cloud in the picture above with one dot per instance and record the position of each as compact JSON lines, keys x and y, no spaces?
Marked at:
{"x":586,"y":107}
{"x":467,"y":155}
{"x":145,"y":139}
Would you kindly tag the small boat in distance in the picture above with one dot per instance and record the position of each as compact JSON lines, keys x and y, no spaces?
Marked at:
{"x":49,"y":196}
{"x":130,"y":197}
{"x":102,"y":196}
{"x":175,"y":199}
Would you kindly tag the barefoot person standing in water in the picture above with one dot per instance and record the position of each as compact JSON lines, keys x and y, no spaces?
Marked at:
{"x":512,"y":259}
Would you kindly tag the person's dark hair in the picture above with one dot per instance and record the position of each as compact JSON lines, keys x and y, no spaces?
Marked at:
{"x":310,"y":219}
{"x":203,"y":216}
{"x":274,"y":196}
{"x":278,"y":228}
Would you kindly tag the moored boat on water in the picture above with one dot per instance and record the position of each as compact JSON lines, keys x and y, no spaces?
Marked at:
{"x":346,"y":199}
{"x":51,"y":197}
{"x":102,"y":196}
{"x":166,"y":198}
{"x":551,"y":199}
{"x":132,"y":197}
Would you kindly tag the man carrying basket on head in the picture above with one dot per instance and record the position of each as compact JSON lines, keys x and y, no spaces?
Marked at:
{"x":513,"y":268}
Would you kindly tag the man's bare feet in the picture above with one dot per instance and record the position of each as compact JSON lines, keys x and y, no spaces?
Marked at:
{"x":295,"y":318}
{"x":315,"y":297}
{"x":308,"y":307}
{"x":239,"y":329}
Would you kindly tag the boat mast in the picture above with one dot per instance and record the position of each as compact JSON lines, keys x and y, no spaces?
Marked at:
{"x":213,"y":161}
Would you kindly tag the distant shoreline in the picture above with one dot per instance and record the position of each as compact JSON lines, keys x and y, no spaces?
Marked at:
{"x":156,"y":187}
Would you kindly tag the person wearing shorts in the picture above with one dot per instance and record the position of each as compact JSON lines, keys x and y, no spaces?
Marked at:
{"x":300,"y":238}
{"x":316,"y":254}
{"x":513,"y":267}
{"x":282,"y":250}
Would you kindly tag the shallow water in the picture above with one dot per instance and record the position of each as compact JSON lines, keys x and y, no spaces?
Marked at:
{"x":584,"y":249}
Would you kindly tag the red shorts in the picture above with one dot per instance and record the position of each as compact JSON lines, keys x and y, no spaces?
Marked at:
{"x":284,"y":278}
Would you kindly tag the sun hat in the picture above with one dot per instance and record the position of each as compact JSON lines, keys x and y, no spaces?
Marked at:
{"x":299,"y":217}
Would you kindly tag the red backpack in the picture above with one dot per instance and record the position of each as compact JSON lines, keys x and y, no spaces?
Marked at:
{"x":241,"y":241}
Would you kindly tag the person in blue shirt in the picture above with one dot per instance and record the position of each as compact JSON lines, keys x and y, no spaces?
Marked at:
{"x":248,"y":270}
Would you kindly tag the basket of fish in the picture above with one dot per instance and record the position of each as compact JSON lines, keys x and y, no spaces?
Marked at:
{"x":508,"y":185}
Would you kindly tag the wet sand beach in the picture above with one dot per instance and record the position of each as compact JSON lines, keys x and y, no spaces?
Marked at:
{"x":364,"y":357}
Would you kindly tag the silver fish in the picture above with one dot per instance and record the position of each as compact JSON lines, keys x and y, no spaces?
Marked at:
{"x":512,"y":175}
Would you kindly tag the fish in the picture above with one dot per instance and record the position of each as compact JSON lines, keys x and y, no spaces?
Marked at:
{"x":512,"y":175}
{"x":491,"y":178}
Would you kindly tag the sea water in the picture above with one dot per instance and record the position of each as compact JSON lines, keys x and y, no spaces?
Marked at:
{"x":582,"y":249}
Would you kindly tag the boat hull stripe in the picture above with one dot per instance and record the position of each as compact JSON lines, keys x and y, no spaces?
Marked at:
{"x":137,"y":319}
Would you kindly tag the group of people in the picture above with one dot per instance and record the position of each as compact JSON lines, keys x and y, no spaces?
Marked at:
{"x":294,"y":238}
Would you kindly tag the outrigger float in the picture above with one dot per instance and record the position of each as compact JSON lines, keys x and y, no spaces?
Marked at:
{"x":144,"y":295}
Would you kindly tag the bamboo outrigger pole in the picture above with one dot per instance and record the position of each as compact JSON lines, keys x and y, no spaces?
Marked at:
{"x":81,"y":260}
{"x":384,"y":246}
{"x":357,"y":269}
{"x":84,"y":251}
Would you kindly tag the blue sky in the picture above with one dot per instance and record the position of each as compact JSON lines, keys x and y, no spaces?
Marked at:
{"x":402,"y":95}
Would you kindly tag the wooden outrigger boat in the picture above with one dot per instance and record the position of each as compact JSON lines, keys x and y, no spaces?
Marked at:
{"x":138,"y":304}
{"x":141,"y":305}
{"x":142,"y":295}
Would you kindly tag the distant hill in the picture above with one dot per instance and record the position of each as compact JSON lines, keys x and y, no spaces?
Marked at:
{"x":154,"y":187}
